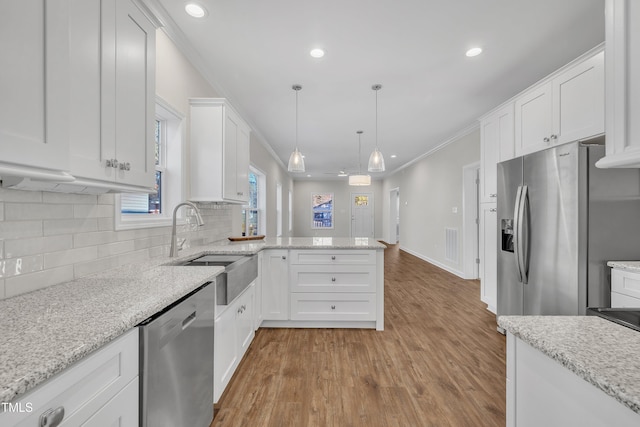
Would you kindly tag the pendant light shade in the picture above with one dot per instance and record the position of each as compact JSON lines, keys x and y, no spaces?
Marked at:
{"x":376,"y":160}
{"x":359,"y":179}
{"x":296,"y":160}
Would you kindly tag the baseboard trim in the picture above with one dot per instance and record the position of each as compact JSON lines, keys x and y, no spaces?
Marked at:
{"x":453,"y":271}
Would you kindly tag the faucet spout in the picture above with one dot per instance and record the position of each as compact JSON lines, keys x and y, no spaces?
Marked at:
{"x":173,"y":252}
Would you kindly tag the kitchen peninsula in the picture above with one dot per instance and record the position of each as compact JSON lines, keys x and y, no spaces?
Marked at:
{"x":49,"y":330}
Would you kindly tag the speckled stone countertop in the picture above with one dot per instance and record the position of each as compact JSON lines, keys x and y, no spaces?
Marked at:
{"x":45,"y":331}
{"x":602,"y":352}
{"x":626,"y":265}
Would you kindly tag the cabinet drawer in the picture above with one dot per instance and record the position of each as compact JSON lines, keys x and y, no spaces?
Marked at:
{"x":327,"y":306}
{"x":625,"y":283}
{"x":83,"y":388}
{"x":344,"y":256}
{"x":336,"y":278}
{"x":624,"y":301}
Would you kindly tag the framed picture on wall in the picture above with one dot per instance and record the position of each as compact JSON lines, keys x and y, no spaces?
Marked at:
{"x":322,"y":211}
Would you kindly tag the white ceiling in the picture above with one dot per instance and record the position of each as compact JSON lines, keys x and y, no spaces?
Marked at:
{"x":255,"y":50}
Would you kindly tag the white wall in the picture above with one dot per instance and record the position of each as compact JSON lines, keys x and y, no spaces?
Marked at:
{"x":342,"y":205}
{"x":429,"y":190}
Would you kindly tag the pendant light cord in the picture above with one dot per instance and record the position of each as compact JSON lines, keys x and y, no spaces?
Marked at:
{"x":296,"y":147}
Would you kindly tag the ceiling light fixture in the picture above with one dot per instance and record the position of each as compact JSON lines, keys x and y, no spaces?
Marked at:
{"x":317,"y":53}
{"x":376,"y":160}
{"x":393,"y":156}
{"x":475,"y":51}
{"x":359,"y":179}
{"x":195,"y":10}
{"x":296,"y":160}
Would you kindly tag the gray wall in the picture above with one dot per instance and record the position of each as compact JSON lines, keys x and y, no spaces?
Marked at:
{"x":342,"y":199}
{"x":429,"y":190}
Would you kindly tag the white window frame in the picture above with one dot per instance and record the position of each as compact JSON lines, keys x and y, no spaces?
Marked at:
{"x":262,"y":197}
{"x":172,"y":167}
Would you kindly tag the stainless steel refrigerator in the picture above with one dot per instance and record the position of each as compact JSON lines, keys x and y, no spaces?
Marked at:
{"x":560,"y":219}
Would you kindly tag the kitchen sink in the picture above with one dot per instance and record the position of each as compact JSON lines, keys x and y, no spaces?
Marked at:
{"x":239,"y":272}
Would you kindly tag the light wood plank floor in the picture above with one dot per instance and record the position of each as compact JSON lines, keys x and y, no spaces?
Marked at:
{"x":439,"y":362}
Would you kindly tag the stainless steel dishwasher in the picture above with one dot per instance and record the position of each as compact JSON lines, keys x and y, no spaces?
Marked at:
{"x":176,"y":362}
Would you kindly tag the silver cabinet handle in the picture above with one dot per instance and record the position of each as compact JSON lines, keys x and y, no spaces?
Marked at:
{"x":493,"y":210}
{"x":125,"y":166}
{"x":333,"y":307}
{"x":493,"y":195}
{"x":554,"y":136}
{"x":52,"y":417}
{"x":112,"y":163}
{"x":240,"y":193}
{"x":333,"y":258}
{"x":284,"y":257}
{"x":333,"y":279}
{"x":546,"y":139}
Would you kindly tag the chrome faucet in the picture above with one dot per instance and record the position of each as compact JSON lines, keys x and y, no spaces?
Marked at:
{"x":173,"y":252}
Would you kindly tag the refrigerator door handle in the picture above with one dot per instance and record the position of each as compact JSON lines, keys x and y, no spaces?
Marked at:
{"x":516,"y":228}
{"x":523,"y":235}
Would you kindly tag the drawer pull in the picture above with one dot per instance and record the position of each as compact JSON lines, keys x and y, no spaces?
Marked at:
{"x":52,"y":417}
{"x":333,"y":258}
{"x":284,"y":257}
{"x":333,"y":279}
{"x":333,"y":307}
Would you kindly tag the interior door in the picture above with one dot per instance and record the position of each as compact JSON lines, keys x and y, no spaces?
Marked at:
{"x":362,"y":216}
{"x":394,"y":216}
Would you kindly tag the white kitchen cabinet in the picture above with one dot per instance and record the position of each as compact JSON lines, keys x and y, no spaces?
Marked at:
{"x":234,"y":332}
{"x":540,"y":391}
{"x":497,"y":145}
{"x":100,"y":387}
{"x":112,"y":91}
{"x":567,"y":107}
{"x":34,"y":85}
{"x":622,"y":63}
{"x":625,"y":288}
{"x":219,"y":152}
{"x":275,"y":284}
{"x":489,"y":255}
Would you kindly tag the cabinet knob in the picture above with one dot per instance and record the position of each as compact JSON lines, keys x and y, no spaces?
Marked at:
{"x":493,"y":210}
{"x":52,"y":417}
{"x":333,"y":279}
{"x":112,"y":163}
{"x":554,"y":136}
{"x":333,"y":307}
{"x":240,"y":193}
{"x":546,"y":139}
{"x":284,"y":257}
{"x":333,"y":258}
{"x":493,"y":195}
{"x":125,"y":166}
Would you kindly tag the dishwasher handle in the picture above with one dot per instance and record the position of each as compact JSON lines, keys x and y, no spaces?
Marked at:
{"x":188,"y":320}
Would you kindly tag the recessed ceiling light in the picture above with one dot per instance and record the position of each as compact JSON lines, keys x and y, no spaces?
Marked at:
{"x":475,"y":51}
{"x":317,"y":53}
{"x":393,"y":156}
{"x":309,"y":176}
{"x":195,"y":10}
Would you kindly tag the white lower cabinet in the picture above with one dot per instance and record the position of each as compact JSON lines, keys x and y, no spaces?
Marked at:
{"x":100,"y":389}
{"x":625,"y":288}
{"x":542,"y":392}
{"x":234,"y":331}
{"x":275,"y":284}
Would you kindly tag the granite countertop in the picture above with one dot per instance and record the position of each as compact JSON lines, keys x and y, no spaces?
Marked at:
{"x":45,"y":331}
{"x":633,"y":266}
{"x":601,"y":352}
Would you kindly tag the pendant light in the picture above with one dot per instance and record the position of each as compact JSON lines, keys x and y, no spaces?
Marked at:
{"x":296,"y":161}
{"x":376,"y":160}
{"x":359,"y":179}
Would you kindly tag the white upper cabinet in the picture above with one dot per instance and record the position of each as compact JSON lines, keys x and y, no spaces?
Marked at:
{"x":622,"y":35}
{"x":219,"y":152}
{"x":496,"y":138}
{"x":112,"y":69}
{"x":565,"y":108}
{"x":33,"y":88}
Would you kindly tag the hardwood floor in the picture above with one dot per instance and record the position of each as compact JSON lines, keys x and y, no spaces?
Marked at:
{"x":439,"y":362}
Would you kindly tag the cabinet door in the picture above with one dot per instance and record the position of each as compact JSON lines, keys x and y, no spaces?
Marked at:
{"x":242,"y":164}
{"x":225,"y":354}
{"x":33,"y":83}
{"x":488,"y":255}
{"x":275,"y":285}
{"x":622,"y":84}
{"x":533,"y":120}
{"x":578,"y":101}
{"x":244,"y":322}
{"x":122,"y":410}
{"x":497,"y":145}
{"x":236,"y":158}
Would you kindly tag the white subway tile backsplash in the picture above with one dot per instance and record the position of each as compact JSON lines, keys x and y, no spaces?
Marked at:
{"x":49,"y":238}
{"x":30,"y":211}
{"x":69,"y":226}
{"x":30,"y":282}
{"x":71,"y":256}
{"x":20,"y":229}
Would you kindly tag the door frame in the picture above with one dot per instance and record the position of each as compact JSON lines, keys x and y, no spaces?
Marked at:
{"x":394,"y":237}
{"x":470,"y":220}
{"x":373,"y":211}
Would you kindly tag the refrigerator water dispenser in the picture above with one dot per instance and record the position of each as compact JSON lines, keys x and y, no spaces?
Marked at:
{"x":506,"y":227}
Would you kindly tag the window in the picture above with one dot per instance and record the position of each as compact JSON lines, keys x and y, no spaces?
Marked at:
{"x":322,"y":210}
{"x":253,"y":221}
{"x":139,"y":210}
